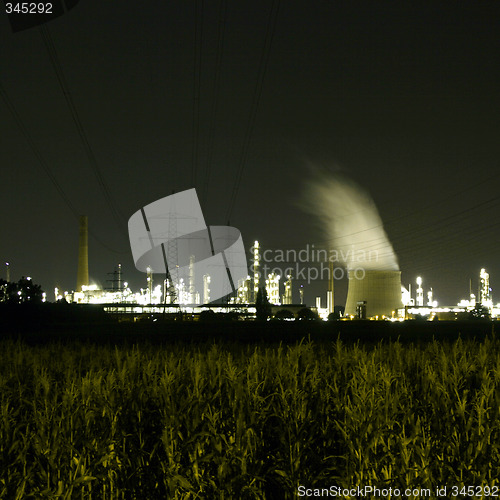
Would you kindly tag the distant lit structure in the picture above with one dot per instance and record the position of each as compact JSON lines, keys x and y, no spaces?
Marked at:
{"x":420,"y":292}
{"x":374,"y":295}
{"x":256,"y":264}
{"x":116,"y":280}
{"x":244,"y":291}
{"x":206,"y":288}
{"x":406,"y":296}
{"x":149,"y":280}
{"x":273,"y":288}
{"x":82,"y":278}
{"x":485,"y":290}
{"x":484,"y":297}
{"x":287,"y":296}
{"x":380,"y":290}
{"x":330,"y":294}
{"x":191,"y":288}
{"x":323,"y":312}
{"x":181,"y":292}
{"x":430,"y":301}
{"x":93,"y":294}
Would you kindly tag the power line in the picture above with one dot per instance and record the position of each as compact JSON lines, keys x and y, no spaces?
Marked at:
{"x":216,"y":90}
{"x":424,"y":227}
{"x":36,"y":151}
{"x":414,"y":233}
{"x":52,"y":52}
{"x":198,"y":45}
{"x":45,"y":167}
{"x":264,"y":59}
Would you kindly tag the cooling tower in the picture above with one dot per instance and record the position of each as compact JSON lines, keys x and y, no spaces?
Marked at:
{"x":83,"y":254}
{"x":381,"y":290}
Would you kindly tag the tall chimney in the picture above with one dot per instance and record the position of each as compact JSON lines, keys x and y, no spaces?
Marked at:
{"x":83,"y":254}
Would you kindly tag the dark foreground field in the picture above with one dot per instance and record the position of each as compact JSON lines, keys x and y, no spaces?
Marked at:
{"x":226,"y":419}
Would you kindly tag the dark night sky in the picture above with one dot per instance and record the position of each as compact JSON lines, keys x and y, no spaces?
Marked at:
{"x":403,"y":96}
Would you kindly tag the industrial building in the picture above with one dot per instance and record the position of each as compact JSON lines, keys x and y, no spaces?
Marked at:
{"x":167,"y":297}
{"x":372,"y":294}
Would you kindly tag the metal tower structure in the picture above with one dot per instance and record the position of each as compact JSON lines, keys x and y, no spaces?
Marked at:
{"x":116,"y":280}
{"x":170,"y":253}
{"x":485,"y":290}
{"x":256,"y":263}
{"x":273,"y":288}
{"x":150,"y":283}
{"x":191,"y":289}
{"x":330,"y":295}
{"x":420,"y":292}
{"x":287,"y":296}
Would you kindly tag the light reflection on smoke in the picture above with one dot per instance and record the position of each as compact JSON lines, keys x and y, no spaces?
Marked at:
{"x":353,"y":225}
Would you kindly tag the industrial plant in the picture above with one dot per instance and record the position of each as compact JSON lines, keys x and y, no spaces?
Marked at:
{"x":372,"y":294}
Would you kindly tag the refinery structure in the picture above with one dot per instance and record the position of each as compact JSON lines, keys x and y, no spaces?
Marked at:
{"x":372,"y":294}
{"x":160,"y":295}
{"x":164,"y":295}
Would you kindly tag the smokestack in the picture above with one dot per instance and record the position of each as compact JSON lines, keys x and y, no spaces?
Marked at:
{"x":380,"y":290}
{"x":83,"y":254}
{"x":330,"y":296}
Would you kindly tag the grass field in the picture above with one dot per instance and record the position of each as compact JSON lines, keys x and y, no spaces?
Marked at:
{"x":229,"y":421}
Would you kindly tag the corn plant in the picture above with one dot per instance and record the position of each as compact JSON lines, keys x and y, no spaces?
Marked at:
{"x":221,"y":420}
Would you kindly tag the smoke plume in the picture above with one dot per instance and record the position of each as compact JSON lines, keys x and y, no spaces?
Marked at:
{"x":354,"y":229}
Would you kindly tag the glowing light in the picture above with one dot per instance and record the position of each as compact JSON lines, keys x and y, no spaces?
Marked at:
{"x":420,"y":292}
{"x":256,"y":262}
{"x":273,"y":288}
{"x":485,"y":292}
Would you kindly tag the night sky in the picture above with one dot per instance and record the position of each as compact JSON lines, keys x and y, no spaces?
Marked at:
{"x":402,"y":97}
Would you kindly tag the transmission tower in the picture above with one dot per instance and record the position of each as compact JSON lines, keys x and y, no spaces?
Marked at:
{"x":170,"y":255}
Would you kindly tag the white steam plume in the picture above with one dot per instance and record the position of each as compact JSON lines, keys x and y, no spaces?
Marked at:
{"x":355,"y":232}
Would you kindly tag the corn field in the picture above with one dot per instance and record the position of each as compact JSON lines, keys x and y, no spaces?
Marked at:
{"x":227,"y":421}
